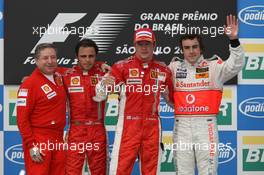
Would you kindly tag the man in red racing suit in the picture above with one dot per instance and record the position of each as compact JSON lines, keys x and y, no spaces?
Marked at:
{"x":41,"y":115}
{"x":141,"y":79}
{"x":87,"y":129}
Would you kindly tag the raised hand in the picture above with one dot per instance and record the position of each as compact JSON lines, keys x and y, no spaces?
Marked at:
{"x":231,"y":27}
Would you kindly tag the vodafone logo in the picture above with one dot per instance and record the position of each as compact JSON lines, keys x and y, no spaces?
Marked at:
{"x":190,"y":98}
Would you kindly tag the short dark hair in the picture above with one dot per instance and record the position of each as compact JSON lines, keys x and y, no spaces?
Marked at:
{"x":191,"y":37}
{"x":43,"y":46}
{"x":86,"y":43}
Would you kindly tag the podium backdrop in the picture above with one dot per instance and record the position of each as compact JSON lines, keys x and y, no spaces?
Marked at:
{"x":24,"y":24}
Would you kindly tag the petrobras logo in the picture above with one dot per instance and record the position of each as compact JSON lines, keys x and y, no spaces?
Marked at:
{"x":165,"y":110}
{"x":15,"y":154}
{"x":252,"y":107}
{"x":225,"y":153}
{"x":252,"y":15}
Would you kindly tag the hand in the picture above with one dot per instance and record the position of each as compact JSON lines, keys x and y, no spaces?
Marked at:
{"x":108,"y":80}
{"x":105,"y":67}
{"x":231,"y":27}
{"x":36,"y":154}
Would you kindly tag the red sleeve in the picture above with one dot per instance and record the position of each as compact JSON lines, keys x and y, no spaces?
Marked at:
{"x":62,"y":70}
{"x":25,"y":105}
{"x":117,"y":72}
{"x":169,"y":84}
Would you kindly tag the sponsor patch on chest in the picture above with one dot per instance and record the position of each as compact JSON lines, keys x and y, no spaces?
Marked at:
{"x":75,"y":89}
{"x":51,"y":95}
{"x":133,"y":73}
{"x":75,"y":81}
{"x":181,"y":73}
{"x":46,"y":89}
{"x":134,"y":81}
{"x":161,"y":76}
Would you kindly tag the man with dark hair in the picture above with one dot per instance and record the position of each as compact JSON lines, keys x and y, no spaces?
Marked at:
{"x":191,"y":37}
{"x":198,"y":85}
{"x":138,"y":131}
{"x":41,"y":115}
{"x":87,"y":131}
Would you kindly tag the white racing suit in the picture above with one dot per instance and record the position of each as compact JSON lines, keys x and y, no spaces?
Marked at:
{"x":197,"y":96}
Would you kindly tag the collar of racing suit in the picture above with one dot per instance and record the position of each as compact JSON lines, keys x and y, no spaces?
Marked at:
{"x":144,"y":65}
{"x":79,"y":70}
{"x":200,"y":59}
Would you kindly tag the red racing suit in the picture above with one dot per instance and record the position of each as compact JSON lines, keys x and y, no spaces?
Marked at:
{"x":41,"y":118}
{"x":197,"y":96}
{"x":138,"y":129}
{"x":87,"y":129}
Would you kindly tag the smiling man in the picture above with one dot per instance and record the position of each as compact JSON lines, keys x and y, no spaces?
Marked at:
{"x":41,"y":114}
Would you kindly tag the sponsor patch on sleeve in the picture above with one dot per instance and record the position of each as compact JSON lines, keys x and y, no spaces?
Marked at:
{"x":23,"y":93}
{"x":21,"y":102}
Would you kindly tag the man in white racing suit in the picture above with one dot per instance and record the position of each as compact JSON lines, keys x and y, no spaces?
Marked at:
{"x":198,"y":86}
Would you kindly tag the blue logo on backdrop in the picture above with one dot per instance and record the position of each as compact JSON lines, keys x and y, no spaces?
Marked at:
{"x":251,"y":18}
{"x":250,"y":107}
{"x":14,"y":155}
{"x":227,"y":152}
{"x":252,"y":15}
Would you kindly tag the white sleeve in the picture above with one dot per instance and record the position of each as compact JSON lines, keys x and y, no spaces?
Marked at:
{"x":232,"y":65}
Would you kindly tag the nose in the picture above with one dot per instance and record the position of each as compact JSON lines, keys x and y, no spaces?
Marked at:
{"x":51,"y":60}
{"x":191,"y":49}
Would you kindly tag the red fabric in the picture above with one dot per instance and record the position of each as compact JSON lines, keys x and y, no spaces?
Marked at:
{"x":82,"y":106}
{"x":81,"y":89}
{"x":54,"y":159}
{"x":139,"y":127}
{"x":41,"y":117}
{"x":39,"y":111}
{"x":140,"y":103}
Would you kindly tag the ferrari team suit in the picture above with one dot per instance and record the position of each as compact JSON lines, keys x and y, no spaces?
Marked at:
{"x":41,"y":117}
{"x":87,"y":129}
{"x":138,"y":131}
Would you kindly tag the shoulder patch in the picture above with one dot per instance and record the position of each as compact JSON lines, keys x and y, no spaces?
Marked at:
{"x":23,"y":92}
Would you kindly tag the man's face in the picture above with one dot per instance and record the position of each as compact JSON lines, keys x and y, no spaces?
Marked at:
{"x":86,"y":57}
{"x":144,"y":50}
{"x":191,"y":50}
{"x":47,"y":61}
